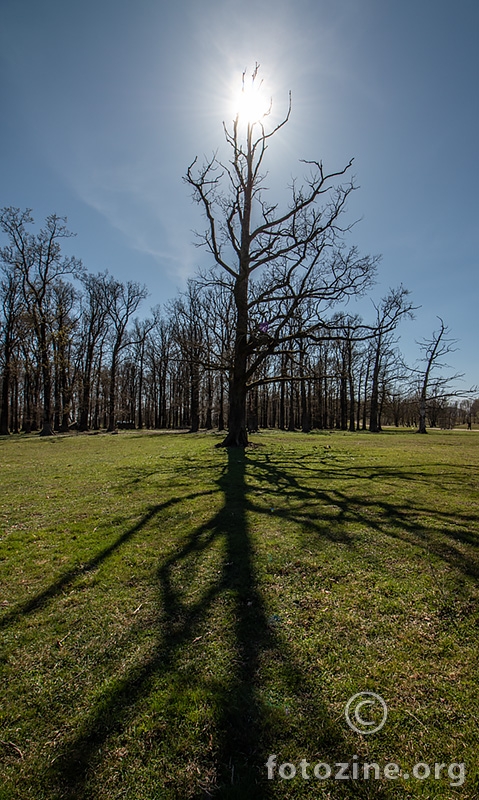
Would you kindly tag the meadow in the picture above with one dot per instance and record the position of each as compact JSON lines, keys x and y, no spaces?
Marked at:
{"x":173,"y":614}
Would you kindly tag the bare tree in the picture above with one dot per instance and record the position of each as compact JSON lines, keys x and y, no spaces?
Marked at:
{"x":392,"y":308}
{"x":40,"y":263}
{"x":272,"y":260}
{"x":188,"y":334}
{"x":158,"y":357}
{"x":11,"y":304}
{"x":122,"y":301}
{"x":65,"y":317}
{"x":142,"y":330}
{"x":93,"y":329}
{"x":434,"y":389}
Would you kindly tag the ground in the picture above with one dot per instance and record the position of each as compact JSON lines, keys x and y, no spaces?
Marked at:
{"x":173,"y":614}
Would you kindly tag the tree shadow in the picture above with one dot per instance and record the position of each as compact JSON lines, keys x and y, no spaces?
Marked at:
{"x":350,"y":491}
{"x":67,"y":578}
{"x":247,"y":722}
{"x":246,"y":719}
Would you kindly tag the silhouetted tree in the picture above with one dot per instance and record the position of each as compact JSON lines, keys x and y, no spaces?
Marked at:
{"x":271,"y":260}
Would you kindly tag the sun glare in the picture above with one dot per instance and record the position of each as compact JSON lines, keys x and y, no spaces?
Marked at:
{"x":251,"y":103}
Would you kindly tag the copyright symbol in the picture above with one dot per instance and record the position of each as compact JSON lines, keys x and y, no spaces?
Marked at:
{"x":366,"y":712}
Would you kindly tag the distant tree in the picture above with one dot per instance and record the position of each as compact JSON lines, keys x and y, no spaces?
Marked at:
{"x":11,"y":305}
{"x":217,"y":313}
{"x":392,"y":308}
{"x":188,"y":333}
{"x":271,"y":260}
{"x":93,"y":328}
{"x":158,"y":355}
{"x":40,"y":264}
{"x":434,"y":389}
{"x":347,"y":342}
{"x":142,"y":330}
{"x":122,"y":302}
{"x":65,"y":317}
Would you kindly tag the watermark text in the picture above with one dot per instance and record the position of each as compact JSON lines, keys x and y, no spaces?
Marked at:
{"x":364,"y":770}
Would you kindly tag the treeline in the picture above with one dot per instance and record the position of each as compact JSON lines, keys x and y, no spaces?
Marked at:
{"x":76,"y":354}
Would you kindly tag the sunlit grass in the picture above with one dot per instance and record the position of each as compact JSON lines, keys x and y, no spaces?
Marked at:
{"x":173,"y":613}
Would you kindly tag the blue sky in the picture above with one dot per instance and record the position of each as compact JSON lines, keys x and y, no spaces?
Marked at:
{"x":106,"y":102}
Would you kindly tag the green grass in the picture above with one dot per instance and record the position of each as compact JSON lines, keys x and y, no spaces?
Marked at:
{"x":172,"y":614}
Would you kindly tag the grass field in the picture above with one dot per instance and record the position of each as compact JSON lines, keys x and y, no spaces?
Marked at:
{"x":173,"y":614}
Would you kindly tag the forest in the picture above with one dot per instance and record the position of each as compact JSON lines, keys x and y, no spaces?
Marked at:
{"x":78,"y":353}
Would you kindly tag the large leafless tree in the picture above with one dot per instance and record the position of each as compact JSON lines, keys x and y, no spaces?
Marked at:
{"x":272,"y":259}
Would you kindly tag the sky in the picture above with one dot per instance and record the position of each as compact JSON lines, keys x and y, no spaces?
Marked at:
{"x":105,"y":103}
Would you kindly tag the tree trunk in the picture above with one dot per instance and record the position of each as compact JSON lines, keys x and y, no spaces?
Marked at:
{"x":56,"y":385}
{"x":365,"y":401}
{"x":291,"y":426}
{"x":85,"y":397}
{"x":374,"y":426}
{"x":209,"y":403}
{"x":8,"y":327}
{"x":4,"y":431}
{"x":282,"y":390}
{"x":305,"y":415}
{"x":422,"y":415}
{"x":358,"y":405}
{"x":47,"y":429}
{"x":343,"y":400}
{"x":194,"y":398}
{"x":140,"y":385}
{"x":15,"y":415}
{"x":237,"y":433}
{"x":221,"y":415}
{"x":112,"y":393}
{"x":351,"y":389}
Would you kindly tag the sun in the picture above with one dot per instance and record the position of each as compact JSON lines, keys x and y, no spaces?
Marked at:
{"x":251,"y":103}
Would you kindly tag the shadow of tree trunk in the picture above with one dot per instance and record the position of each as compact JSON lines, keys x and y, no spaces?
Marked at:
{"x":245,"y":723}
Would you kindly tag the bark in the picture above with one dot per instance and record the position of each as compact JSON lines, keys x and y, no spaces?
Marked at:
{"x":221,"y":416}
{"x":112,"y":392}
{"x":85,"y":393}
{"x":47,"y":427}
{"x":351,"y":388}
{"x":305,"y":415}
{"x":422,"y":414}
{"x":194,"y":397}
{"x":209,"y":404}
{"x":4,"y":430}
{"x":237,"y":433}
{"x":7,"y":356}
{"x":140,"y":384}
{"x":343,"y":400}
{"x":374,"y":425}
